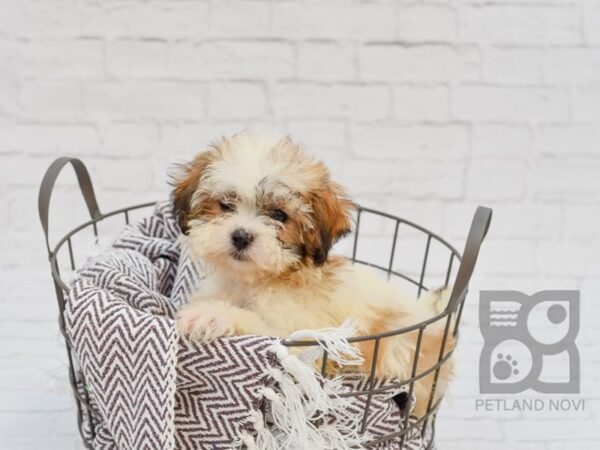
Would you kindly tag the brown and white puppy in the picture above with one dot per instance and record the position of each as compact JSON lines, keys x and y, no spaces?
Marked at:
{"x":262,"y":216}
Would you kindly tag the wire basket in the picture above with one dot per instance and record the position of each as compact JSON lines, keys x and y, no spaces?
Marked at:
{"x":373,"y":228}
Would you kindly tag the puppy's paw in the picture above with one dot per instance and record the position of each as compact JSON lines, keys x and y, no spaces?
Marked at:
{"x":203,"y":322}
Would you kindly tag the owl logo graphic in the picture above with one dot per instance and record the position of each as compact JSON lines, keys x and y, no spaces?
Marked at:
{"x":529,"y":342}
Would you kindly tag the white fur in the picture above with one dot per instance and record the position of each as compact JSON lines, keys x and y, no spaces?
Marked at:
{"x":276,"y":291}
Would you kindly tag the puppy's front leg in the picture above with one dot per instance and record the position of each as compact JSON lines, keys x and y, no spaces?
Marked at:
{"x":206,"y":320}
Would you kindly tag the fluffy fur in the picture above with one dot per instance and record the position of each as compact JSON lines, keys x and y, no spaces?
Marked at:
{"x":280,"y":277}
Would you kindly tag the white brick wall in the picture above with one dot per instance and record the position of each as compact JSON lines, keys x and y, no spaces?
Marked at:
{"x":425,"y":108}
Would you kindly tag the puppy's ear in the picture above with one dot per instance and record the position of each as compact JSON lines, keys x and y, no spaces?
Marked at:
{"x":332,"y":219}
{"x":185,"y":184}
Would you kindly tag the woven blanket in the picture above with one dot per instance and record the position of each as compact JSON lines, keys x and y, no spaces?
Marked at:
{"x":150,"y":389}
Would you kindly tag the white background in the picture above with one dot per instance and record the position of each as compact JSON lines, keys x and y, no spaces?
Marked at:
{"x":422,"y":108}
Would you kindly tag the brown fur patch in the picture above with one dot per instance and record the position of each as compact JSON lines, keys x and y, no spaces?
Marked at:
{"x":385,"y":321}
{"x":207,"y":208}
{"x":319,"y":281}
{"x":291,"y":235}
{"x":331,"y":216}
{"x":431,"y":346}
{"x":428,"y":355}
{"x":186,"y":185}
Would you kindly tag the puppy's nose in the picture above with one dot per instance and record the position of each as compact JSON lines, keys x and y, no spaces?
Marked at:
{"x":241,"y":239}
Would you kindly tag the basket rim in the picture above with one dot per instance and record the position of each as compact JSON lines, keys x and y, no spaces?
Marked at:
{"x":124,"y":210}
{"x":287,"y":342}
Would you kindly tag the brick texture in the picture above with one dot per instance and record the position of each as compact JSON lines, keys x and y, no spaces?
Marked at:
{"x":424,"y":108}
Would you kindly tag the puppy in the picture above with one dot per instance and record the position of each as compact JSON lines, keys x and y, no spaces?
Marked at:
{"x":262,"y":216}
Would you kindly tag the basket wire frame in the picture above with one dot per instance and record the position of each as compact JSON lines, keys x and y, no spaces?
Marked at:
{"x":86,"y":419}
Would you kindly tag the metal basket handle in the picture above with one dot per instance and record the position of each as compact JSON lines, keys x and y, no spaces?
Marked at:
{"x":479,"y":228}
{"x":47,"y":186}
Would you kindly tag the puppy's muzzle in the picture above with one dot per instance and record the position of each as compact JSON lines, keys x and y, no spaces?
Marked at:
{"x":241,"y":239}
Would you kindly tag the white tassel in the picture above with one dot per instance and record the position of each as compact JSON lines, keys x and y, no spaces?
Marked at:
{"x":248,"y":441}
{"x":302,"y":397}
{"x":292,"y":424}
{"x":307,"y":398}
{"x":347,"y":425}
{"x":264,"y":437}
{"x":282,"y":416}
{"x":293,"y":394}
{"x":304,"y":375}
{"x":336,"y":439}
{"x":334,"y":341}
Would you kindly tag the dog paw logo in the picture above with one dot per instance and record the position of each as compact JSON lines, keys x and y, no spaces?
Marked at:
{"x":529,"y":342}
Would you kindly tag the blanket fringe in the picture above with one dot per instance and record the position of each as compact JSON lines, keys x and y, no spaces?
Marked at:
{"x":306,"y":410}
{"x":332,"y":340}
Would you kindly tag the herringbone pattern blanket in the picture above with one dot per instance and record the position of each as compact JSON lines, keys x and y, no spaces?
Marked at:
{"x":151,"y":390}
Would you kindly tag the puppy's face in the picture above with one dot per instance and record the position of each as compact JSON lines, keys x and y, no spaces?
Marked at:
{"x":257,"y":205}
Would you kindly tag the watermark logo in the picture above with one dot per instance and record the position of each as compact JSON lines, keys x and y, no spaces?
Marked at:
{"x":529,"y":342}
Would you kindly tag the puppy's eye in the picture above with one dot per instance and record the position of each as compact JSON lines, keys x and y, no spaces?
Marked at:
{"x":226,"y":207}
{"x":279,"y":215}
